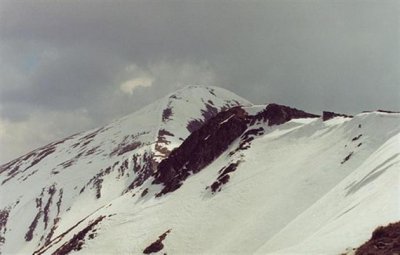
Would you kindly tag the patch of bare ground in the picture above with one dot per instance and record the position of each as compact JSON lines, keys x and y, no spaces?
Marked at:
{"x":78,"y":240}
{"x":385,"y":240}
{"x":157,"y":245}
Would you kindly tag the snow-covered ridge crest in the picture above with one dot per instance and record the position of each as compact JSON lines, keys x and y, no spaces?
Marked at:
{"x":202,"y":170}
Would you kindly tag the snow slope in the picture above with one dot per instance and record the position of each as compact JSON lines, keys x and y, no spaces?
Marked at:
{"x":286,"y":183}
{"x":48,"y":190}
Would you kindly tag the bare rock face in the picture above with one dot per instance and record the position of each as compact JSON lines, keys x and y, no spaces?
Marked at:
{"x":384,"y":240}
{"x":208,"y":142}
{"x":330,"y":115}
{"x":201,"y":148}
{"x":277,"y":114}
{"x":157,"y":245}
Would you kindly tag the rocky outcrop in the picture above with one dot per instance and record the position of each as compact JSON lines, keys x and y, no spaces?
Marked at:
{"x":78,"y":240}
{"x":207,"y":114}
{"x":330,"y":115}
{"x":201,"y":148}
{"x":276,"y":114}
{"x":208,"y":142}
{"x":157,"y":245}
{"x":384,"y":240}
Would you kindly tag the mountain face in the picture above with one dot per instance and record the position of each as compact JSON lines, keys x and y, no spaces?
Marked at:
{"x":204,"y":171}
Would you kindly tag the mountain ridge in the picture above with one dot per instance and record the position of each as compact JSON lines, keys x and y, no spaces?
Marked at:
{"x":85,"y":190}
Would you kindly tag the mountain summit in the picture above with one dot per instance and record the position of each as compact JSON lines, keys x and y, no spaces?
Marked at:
{"x":204,"y":171}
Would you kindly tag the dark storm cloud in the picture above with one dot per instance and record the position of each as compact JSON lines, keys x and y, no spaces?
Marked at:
{"x":67,"y":56}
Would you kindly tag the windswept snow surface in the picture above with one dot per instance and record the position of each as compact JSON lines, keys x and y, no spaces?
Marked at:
{"x":302,"y":187}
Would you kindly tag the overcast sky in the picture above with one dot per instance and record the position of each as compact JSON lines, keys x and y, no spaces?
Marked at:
{"x":66,"y":66}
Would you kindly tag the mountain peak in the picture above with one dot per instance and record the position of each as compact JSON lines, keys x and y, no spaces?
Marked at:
{"x":203,"y":170}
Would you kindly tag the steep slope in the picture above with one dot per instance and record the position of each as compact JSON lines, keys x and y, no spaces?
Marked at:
{"x":49,"y":190}
{"x":195,"y":173}
{"x":348,"y":214}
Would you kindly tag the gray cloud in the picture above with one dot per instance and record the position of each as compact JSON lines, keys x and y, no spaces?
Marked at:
{"x":67,"y":57}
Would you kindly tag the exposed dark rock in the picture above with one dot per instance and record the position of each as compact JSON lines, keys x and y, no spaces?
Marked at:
{"x":13,"y":167}
{"x":386,"y":111}
{"x":71,"y":161}
{"x":143,"y":167}
{"x":157,"y":245}
{"x":57,"y":239}
{"x":356,"y":138}
{"x":212,"y":91}
{"x":32,"y":227}
{"x":52,"y":230}
{"x":128,"y":143}
{"x":167,"y":113}
{"x":89,"y":137}
{"x":144,"y":193}
{"x":207,"y":114}
{"x":29,"y":175}
{"x":278,"y":114}
{"x":128,"y":148}
{"x":200,"y":148}
{"x":163,"y":132}
{"x":347,"y":158}
{"x":384,"y":241}
{"x":92,"y":151}
{"x":56,"y":219}
{"x":76,"y":242}
{"x":224,"y":177}
{"x":330,"y":115}
{"x":210,"y":140}
{"x":51,"y":191}
{"x":122,"y":168}
{"x":162,"y":141}
{"x":247,"y":138}
{"x":380,"y":110}
{"x":38,"y":155}
{"x":97,"y":180}
{"x":4,"y":213}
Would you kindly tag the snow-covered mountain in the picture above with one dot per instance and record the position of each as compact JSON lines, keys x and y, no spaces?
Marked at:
{"x":204,"y":171}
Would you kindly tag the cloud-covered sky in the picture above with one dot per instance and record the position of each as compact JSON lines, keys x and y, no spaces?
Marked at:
{"x":66,"y":66}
